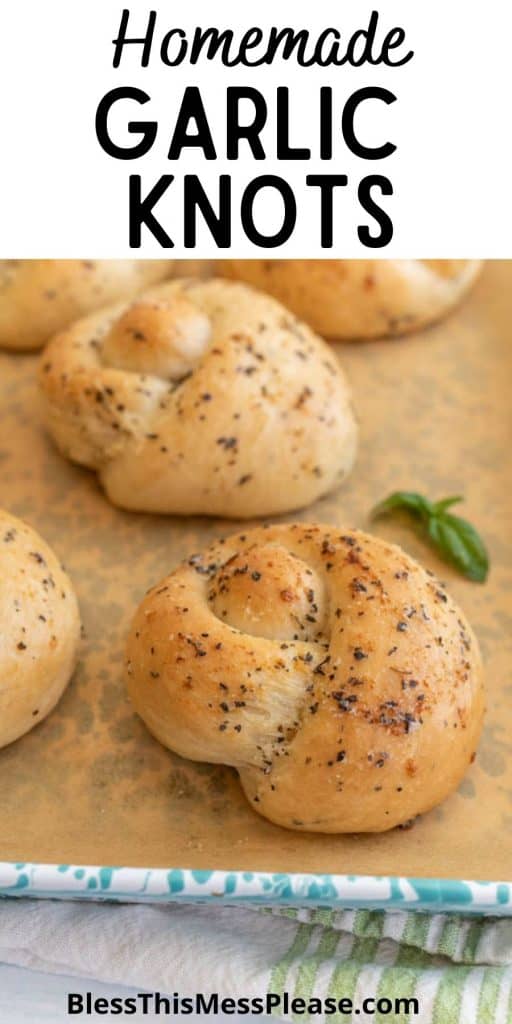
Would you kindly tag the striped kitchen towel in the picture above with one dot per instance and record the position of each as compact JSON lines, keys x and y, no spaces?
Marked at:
{"x":451,"y":969}
{"x":457,"y":970}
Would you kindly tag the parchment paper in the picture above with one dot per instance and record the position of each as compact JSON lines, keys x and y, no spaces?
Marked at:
{"x":89,"y":785}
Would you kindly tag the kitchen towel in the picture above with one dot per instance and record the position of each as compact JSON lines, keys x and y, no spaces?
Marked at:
{"x":458,"y":969}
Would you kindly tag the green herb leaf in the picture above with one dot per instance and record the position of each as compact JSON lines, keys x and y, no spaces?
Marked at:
{"x":464,"y":546}
{"x":441,"y":506}
{"x":454,"y":538}
{"x":408,"y":500}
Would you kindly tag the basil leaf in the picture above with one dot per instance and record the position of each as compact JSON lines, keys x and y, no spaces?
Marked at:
{"x":409,"y":501}
{"x":454,"y":538}
{"x":462,"y":545}
{"x":441,"y":506}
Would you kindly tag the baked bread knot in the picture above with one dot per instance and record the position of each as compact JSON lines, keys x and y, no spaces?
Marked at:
{"x":164,"y":339}
{"x":202,"y":397}
{"x":39,"y":629}
{"x":360,"y":299}
{"x":329,"y":668}
{"x":40,"y":297}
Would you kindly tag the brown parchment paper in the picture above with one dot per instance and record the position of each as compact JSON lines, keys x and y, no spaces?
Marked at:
{"x":89,"y":785}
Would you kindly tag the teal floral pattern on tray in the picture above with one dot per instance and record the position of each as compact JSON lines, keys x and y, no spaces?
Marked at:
{"x":168,"y":885}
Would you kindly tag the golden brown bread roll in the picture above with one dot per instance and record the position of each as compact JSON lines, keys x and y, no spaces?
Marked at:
{"x":40,"y":297}
{"x":360,"y":299}
{"x":201,"y":397}
{"x":39,"y":629}
{"x":331,"y":670}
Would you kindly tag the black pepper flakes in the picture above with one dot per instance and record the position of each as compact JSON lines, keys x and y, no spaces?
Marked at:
{"x":319,"y":669}
{"x":227,"y":443}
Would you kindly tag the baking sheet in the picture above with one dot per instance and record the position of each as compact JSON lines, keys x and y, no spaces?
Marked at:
{"x":90,"y":786}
